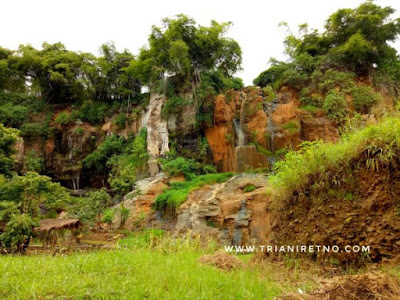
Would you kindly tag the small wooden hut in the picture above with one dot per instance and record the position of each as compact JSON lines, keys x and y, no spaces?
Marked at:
{"x":49,"y":230}
{"x":46,"y":225}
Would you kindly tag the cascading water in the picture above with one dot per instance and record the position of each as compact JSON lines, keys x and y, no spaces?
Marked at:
{"x":240,"y":136}
{"x":269,"y":108}
{"x":75,"y":182}
{"x":239,"y":123}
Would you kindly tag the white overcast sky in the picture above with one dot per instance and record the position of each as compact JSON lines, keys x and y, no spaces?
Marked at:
{"x":85,"y":24}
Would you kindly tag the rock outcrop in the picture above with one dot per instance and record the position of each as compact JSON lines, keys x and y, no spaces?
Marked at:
{"x":222,"y":148}
{"x":157,"y":127}
{"x":141,"y":200}
{"x":231,"y":212}
{"x":246,"y":117}
{"x":313,"y":129}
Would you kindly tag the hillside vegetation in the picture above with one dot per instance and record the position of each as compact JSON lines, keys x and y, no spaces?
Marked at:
{"x":120,"y":141}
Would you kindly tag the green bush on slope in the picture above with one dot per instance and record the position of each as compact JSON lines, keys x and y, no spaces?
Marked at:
{"x":379,"y":143}
{"x":170,"y":200}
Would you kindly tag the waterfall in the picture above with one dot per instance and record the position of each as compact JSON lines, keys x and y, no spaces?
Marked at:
{"x":75,"y":182}
{"x":269,"y":108}
{"x":242,"y":112}
{"x":239,"y":124}
{"x":239,"y":133}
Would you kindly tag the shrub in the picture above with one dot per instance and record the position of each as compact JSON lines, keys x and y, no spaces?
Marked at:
{"x":170,"y":200}
{"x":112,"y":145}
{"x":310,"y":108}
{"x":33,"y":129}
{"x":269,"y":93}
{"x":293,"y":78}
{"x":17,"y":230}
{"x":292,"y":126}
{"x":305,"y":96}
{"x":126,"y":165}
{"x":332,"y":79}
{"x":173,"y":105}
{"x":335,"y":106}
{"x":63,"y":118}
{"x":124,"y":214}
{"x":13,"y":115}
{"x":94,"y":112}
{"x":236,"y":83}
{"x":186,"y":167}
{"x":33,"y":162}
{"x":272,"y":75}
{"x":120,"y":121}
{"x":8,"y":138}
{"x":78,"y":130}
{"x":249,"y":188}
{"x":364,"y":98}
{"x":108,"y":216}
{"x":22,"y":200}
{"x":89,"y":209}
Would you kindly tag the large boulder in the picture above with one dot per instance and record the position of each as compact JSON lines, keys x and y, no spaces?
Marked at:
{"x":141,"y":200}
{"x":234,"y":212}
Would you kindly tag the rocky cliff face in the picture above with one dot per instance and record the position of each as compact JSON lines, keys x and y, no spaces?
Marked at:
{"x":247,"y":117}
{"x":245,"y":123}
{"x":229,"y":211}
{"x":157,"y":129}
{"x":140,"y":203}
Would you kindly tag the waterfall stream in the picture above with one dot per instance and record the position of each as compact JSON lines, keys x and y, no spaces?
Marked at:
{"x":75,"y":182}
{"x":240,"y":136}
{"x":269,"y":108}
{"x":239,"y":123}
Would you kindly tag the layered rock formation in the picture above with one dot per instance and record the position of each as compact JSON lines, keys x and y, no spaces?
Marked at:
{"x":141,"y":201}
{"x":227,"y":212}
{"x":245,"y":123}
{"x":248,"y":117}
{"x":157,"y":129}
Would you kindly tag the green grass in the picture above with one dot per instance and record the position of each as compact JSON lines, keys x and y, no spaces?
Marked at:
{"x":379,"y":144}
{"x":172,"y":198}
{"x":310,"y":108}
{"x":167,"y":271}
{"x":249,"y":188}
{"x":292,"y":127}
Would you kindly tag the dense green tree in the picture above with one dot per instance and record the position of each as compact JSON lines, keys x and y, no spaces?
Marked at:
{"x":182,"y":49}
{"x":356,"y":40}
{"x":8,"y":137}
{"x":113,"y":82}
{"x":90,"y":208}
{"x":21,"y":200}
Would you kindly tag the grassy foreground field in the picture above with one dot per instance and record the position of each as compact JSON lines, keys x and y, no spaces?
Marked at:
{"x":135,"y":272}
{"x":165,"y":269}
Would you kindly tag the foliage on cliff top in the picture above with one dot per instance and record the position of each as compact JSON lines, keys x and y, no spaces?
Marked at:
{"x":316,"y":161}
{"x":355,"y":40}
{"x":353,"y":50}
{"x":184,"y":49}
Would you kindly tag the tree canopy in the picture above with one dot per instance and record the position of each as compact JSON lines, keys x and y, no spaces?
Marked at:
{"x":184,"y":49}
{"x":356,"y":40}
